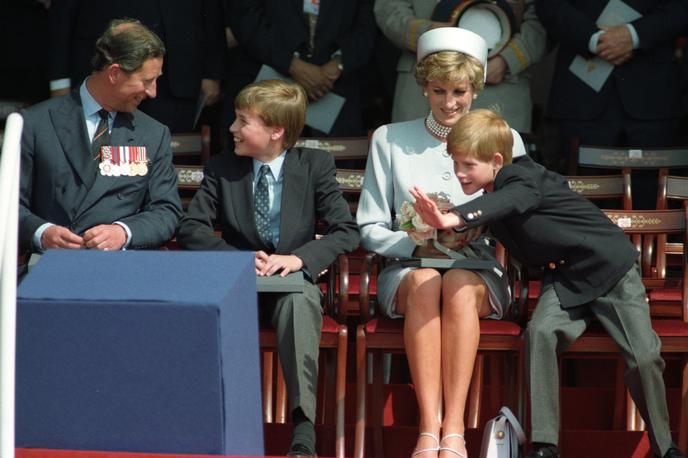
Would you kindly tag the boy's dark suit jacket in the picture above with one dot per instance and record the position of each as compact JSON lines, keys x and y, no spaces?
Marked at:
{"x":647,"y":85}
{"x":60,"y":182}
{"x":310,"y":193}
{"x":540,"y":221}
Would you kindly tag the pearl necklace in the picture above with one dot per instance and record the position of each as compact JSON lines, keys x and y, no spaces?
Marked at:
{"x":435,"y":128}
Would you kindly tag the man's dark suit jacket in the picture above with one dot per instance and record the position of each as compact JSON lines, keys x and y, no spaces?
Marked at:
{"x":191,"y":29}
{"x":647,"y":84}
{"x":270,"y":31}
{"x":60,"y":183}
{"x":310,"y":193}
{"x":539,"y":220}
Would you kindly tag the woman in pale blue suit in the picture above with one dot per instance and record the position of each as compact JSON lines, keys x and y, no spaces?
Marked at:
{"x":441,"y":308}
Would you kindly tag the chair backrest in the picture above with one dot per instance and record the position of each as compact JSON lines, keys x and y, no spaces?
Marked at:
{"x":189,"y":180}
{"x":192,"y":147}
{"x":671,"y":188}
{"x":604,"y":188}
{"x":648,"y":230}
{"x":606,"y":157}
{"x":341,"y":148}
{"x":351,"y":182}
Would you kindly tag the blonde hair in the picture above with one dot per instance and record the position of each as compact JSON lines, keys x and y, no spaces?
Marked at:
{"x":276,"y":103}
{"x":451,"y":66}
{"x":481,"y":134}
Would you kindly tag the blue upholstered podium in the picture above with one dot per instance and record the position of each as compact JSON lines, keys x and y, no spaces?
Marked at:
{"x":139,"y":351}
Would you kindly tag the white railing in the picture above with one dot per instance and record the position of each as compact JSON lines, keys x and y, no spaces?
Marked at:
{"x":9,"y":215}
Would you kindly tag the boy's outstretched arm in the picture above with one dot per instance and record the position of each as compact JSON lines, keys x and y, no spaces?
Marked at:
{"x":431,"y":214}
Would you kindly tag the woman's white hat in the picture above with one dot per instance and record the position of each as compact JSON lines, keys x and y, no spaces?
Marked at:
{"x":453,"y":39}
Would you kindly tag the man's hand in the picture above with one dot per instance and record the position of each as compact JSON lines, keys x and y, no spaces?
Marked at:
{"x":331,"y":69}
{"x":269,"y":264}
{"x":615,"y":45}
{"x":431,"y":214}
{"x":211,"y":89}
{"x":231,"y":39}
{"x":106,"y":237}
{"x":60,"y":237}
{"x":59,"y":92}
{"x":311,"y":77}
{"x":496,"y":69}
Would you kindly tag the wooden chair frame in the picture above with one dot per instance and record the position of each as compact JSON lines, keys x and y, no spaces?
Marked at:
{"x":191,"y":145}
{"x":333,"y":346}
{"x":643,"y":228}
{"x":502,"y":336}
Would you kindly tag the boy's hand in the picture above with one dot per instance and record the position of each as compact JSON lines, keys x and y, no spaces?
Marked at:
{"x":267,"y":265}
{"x":431,"y":214}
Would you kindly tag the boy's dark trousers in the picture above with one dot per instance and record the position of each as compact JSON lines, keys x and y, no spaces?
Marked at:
{"x":624,"y":313}
{"x":297,"y":319}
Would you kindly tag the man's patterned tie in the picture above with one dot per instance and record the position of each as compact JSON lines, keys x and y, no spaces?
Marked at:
{"x":102,"y":136}
{"x":261,"y":206}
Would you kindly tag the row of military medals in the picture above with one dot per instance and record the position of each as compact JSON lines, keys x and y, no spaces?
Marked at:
{"x":118,"y":161}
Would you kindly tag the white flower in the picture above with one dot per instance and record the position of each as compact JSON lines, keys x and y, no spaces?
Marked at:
{"x":420,"y":225}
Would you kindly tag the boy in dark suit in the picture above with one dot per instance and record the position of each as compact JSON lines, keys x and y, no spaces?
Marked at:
{"x":266,"y":197}
{"x":590,"y":265}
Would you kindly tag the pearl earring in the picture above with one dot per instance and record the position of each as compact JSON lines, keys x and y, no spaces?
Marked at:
{"x":475,"y":96}
{"x":425,"y":94}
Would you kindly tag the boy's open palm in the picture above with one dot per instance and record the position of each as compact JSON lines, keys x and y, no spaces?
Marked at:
{"x":431,"y":214}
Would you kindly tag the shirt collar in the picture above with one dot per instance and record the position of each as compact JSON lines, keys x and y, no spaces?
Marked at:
{"x":89,"y":104}
{"x":275,"y":165}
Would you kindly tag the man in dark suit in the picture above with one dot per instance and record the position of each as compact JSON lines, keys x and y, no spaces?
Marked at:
{"x":639,"y":103}
{"x":95,"y":171}
{"x":591,"y":270}
{"x":322,"y":49}
{"x":266,"y":197}
{"x":191,"y":30}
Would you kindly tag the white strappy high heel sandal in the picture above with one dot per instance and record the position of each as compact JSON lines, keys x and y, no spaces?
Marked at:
{"x":453,"y":450}
{"x":431,"y":449}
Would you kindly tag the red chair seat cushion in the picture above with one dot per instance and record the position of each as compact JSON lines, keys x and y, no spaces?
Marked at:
{"x":489,"y":327}
{"x":665,"y":295}
{"x":670,"y":328}
{"x":330,"y":325}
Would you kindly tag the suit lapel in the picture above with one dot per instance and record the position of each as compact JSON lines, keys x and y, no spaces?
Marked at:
{"x":122,"y":135}
{"x":75,"y":145}
{"x":294,"y":189}
{"x":241,"y":192}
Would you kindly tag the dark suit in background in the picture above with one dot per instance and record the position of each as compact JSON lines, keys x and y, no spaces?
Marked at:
{"x":591,"y":271}
{"x":271,"y":31}
{"x":23,"y":34}
{"x":639,"y":104}
{"x":191,"y":30}
{"x":310,"y":193}
{"x":60,"y":183}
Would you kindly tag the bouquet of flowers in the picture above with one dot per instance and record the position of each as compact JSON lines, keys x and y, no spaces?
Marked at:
{"x":421,"y":233}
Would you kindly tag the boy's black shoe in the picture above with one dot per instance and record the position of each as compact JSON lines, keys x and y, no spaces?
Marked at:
{"x":674,"y":452}
{"x":541,"y":450}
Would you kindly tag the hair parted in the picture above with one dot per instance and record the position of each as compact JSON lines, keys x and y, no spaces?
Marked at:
{"x":450,"y":66}
{"x":128,"y":43}
{"x":277,"y":103}
{"x":480,"y":134}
